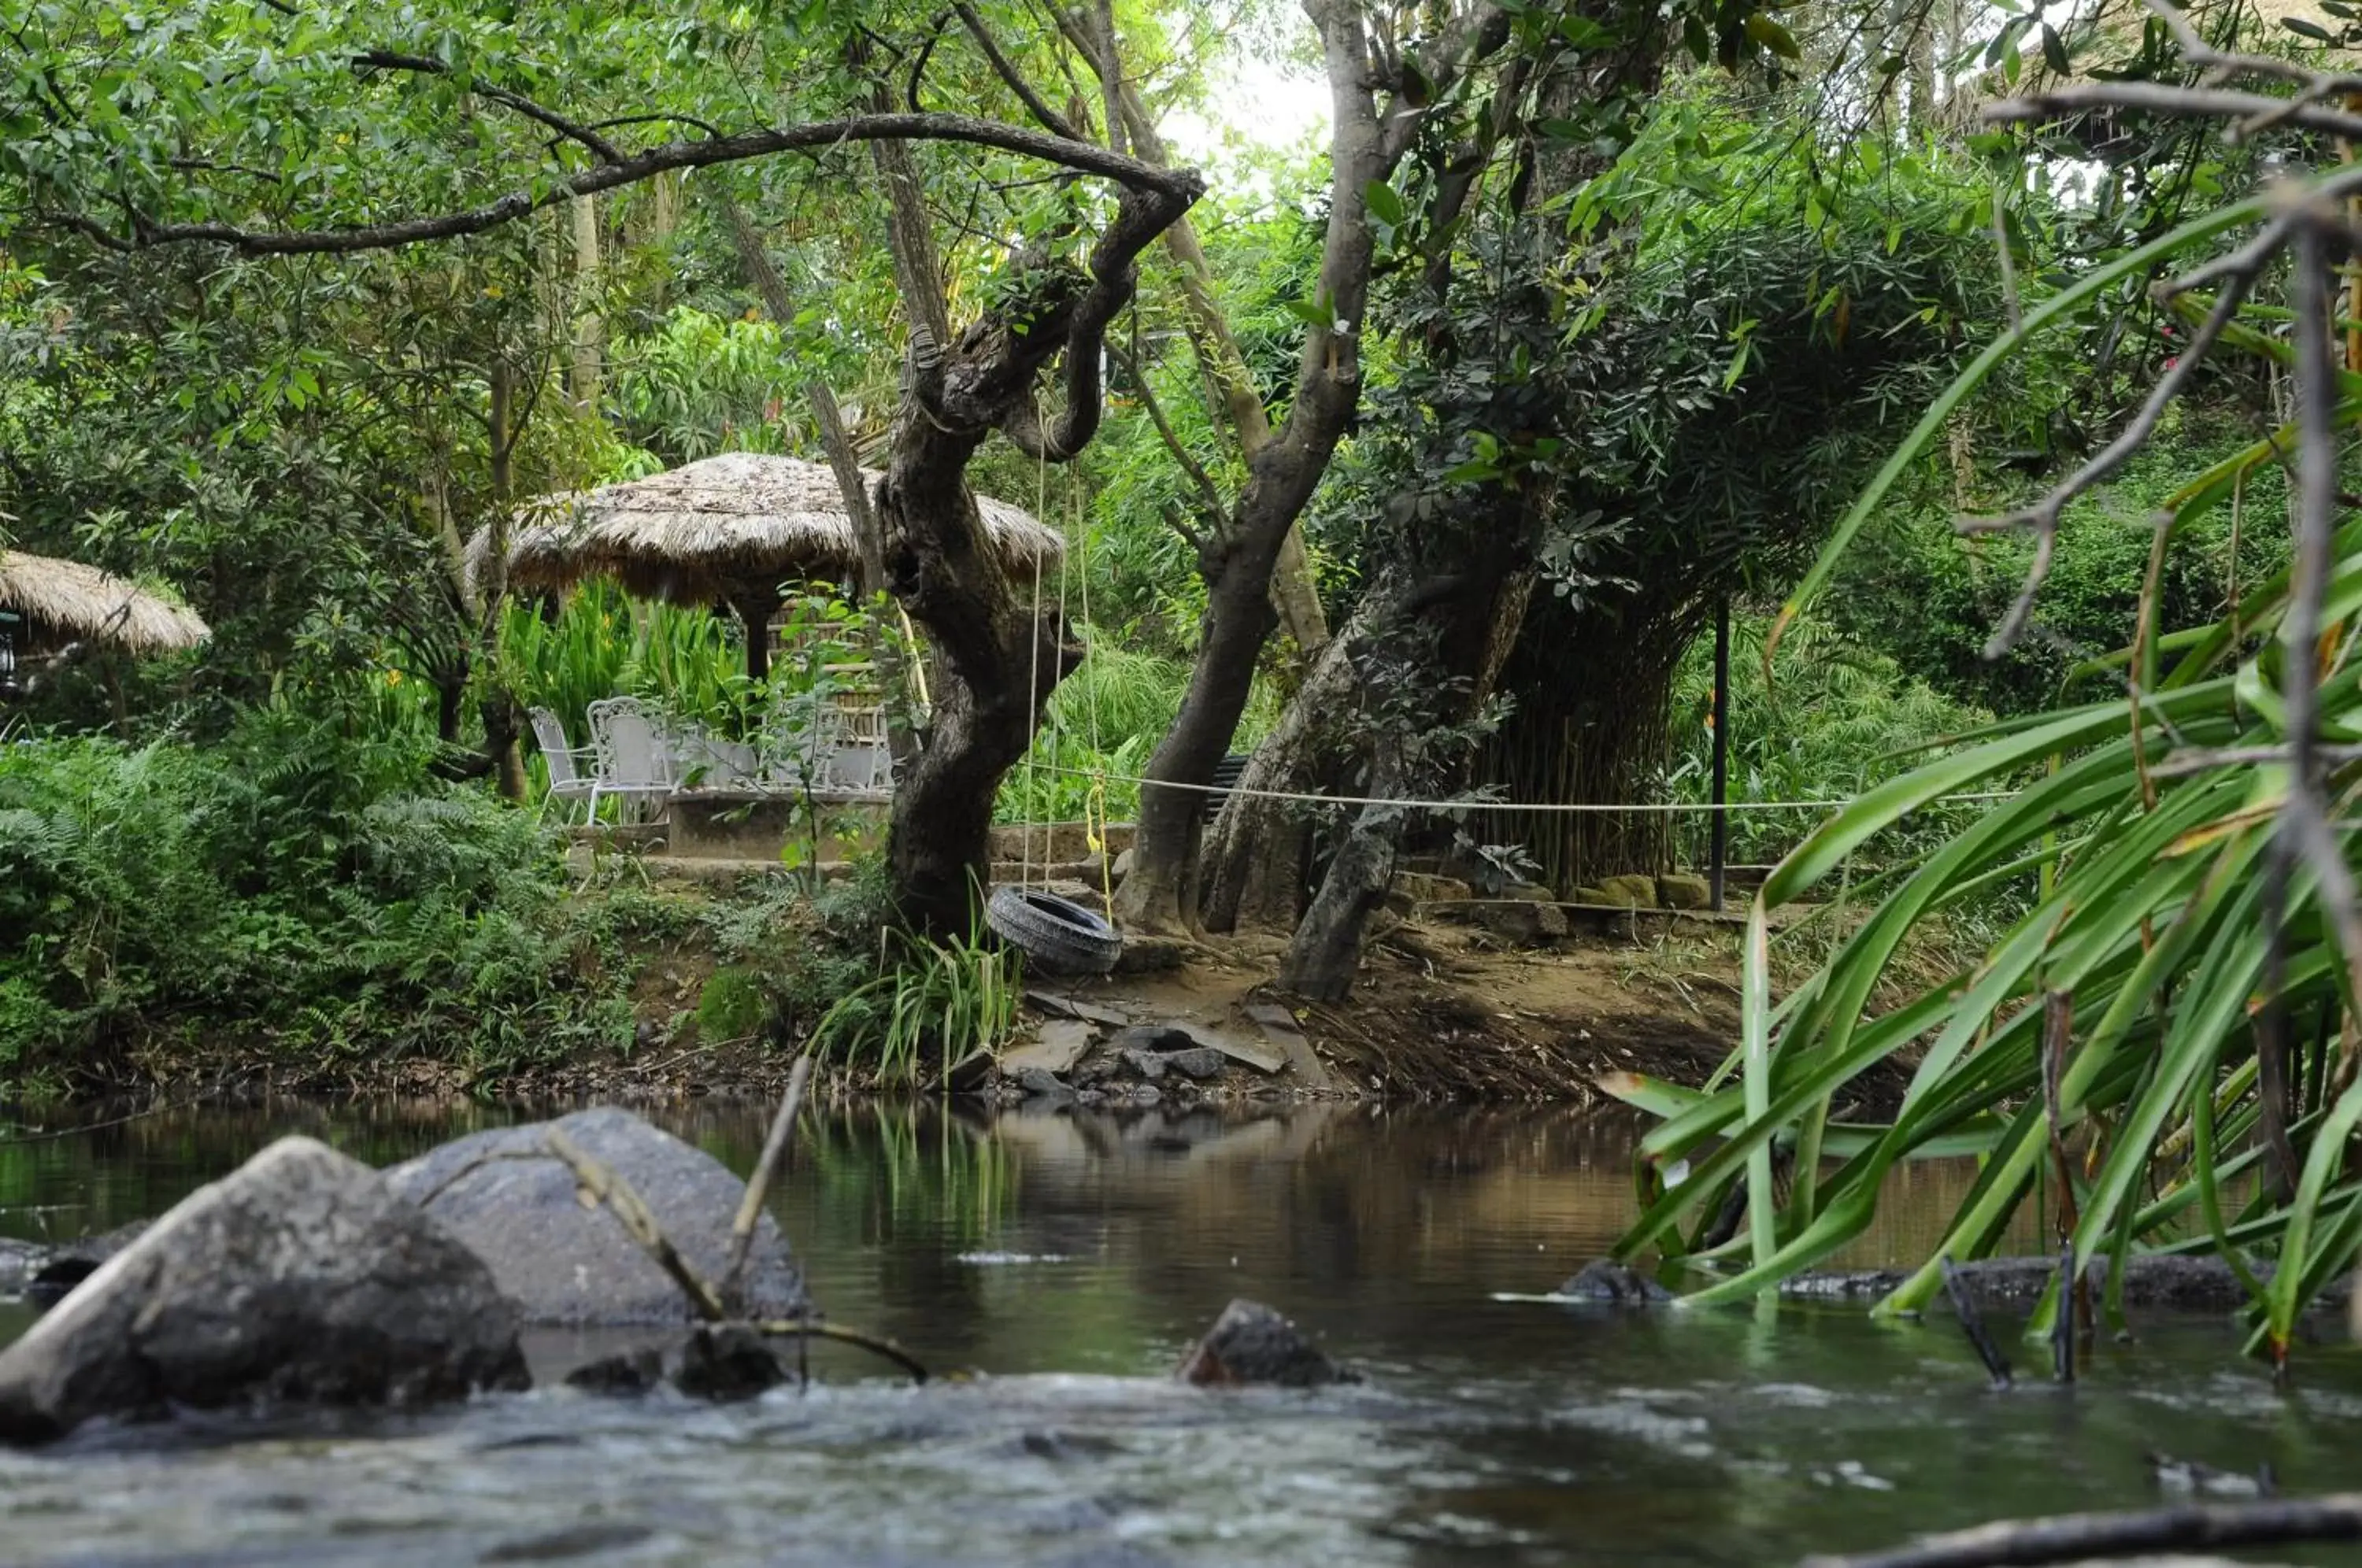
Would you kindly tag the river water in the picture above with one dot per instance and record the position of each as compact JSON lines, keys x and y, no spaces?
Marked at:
{"x":1066,"y":1264}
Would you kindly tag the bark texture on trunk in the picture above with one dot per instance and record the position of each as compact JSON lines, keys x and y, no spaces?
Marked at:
{"x":1249,"y":871}
{"x":1326,"y":952}
{"x":590,"y":331}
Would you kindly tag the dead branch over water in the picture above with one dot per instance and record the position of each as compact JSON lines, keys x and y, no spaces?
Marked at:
{"x":2071,"y":1538}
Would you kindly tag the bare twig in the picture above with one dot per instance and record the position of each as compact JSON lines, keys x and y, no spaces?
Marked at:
{"x":2182,"y":764}
{"x":1972,"y":1324}
{"x":2062,"y":1322}
{"x":758,"y":1186}
{"x":812,"y":1328}
{"x":606,"y":1186}
{"x":2042,"y":518}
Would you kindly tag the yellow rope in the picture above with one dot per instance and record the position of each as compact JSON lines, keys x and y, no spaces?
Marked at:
{"x":1095,"y":806}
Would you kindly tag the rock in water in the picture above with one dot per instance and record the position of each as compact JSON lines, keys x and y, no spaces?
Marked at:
{"x":1605,"y":1281}
{"x":299,"y":1277}
{"x":1250,"y":1343}
{"x":724,"y":1363}
{"x":563,"y":1264}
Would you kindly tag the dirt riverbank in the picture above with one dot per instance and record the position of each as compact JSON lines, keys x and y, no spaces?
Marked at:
{"x":1442,"y":1012}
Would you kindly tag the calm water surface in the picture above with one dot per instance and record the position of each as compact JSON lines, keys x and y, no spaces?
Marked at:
{"x":1067,"y":1262}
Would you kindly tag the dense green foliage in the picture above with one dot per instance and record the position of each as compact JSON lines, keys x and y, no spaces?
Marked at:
{"x":2167,"y":1003}
{"x":289,"y":881}
{"x":1929,"y":598}
{"x":1840,"y":718}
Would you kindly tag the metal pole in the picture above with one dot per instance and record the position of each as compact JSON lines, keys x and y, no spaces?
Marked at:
{"x":1718,"y":853}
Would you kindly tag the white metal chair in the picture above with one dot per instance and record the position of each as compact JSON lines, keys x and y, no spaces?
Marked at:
{"x":860,"y":757}
{"x":634,"y":760}
{"x":566,"y":779}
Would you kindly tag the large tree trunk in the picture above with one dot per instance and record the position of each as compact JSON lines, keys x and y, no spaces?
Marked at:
{"x":1327,"y":949}
{"x":1249,"y":871}
{"x":999,"y":659}
{"x":1159,"y":895}
{"x":1161,"y":891}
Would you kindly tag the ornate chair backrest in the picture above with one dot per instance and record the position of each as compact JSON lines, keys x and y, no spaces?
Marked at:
{"x":628,"y":744}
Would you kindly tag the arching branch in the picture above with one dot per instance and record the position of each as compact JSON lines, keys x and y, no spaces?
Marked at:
{"x":1176,"y":189}
{"x":605,"y":151}
{"x":1006,"y":69}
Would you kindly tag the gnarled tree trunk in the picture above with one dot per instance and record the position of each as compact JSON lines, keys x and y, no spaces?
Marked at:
{"x":1000,"y":660}
{"x":1364,"y":148}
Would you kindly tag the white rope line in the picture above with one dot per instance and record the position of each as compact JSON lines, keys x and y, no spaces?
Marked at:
{"x":1469,"y":805}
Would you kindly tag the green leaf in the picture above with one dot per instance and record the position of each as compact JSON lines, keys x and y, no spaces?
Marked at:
{"x":1384,"y":204}
{"x":1313,"y":312}
{"x":1772,"y":36}
{"x":2054,"y":51}
{"x":2313,"y":30}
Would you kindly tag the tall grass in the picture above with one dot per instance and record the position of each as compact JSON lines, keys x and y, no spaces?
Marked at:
{"x":2135,"y":1047}
{"x":929,"y":1005}
{"x":599,"y":642}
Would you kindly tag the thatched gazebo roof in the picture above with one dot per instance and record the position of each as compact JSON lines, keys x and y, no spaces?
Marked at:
{"x":66,"y":599}
{"x":719,"y":531}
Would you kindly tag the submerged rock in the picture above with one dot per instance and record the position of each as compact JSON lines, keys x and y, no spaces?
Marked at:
{"x":2169,"y":1282}
{"x":1250,"y":1343}
{"x":719,"y":1361}
{"x":502,"y":1195}
{"x":725,"y":1362}
{"x":299,"y":1277}
{"x":20,"y":1263}
{"x":1604,"y":1280}
{"x":626,"y":1372}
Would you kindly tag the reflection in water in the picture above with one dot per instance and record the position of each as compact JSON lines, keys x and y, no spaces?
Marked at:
{"x":1069,"y":1259}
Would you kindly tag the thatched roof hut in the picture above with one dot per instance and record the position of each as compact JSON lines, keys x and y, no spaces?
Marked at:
{"x":62,"y":601}
{"x":723,"y":530}
{"x":706,"y":532}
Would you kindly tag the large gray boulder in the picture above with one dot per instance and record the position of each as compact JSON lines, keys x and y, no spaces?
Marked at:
{"x":298,"y":1277}
{"x":565,"y":1264}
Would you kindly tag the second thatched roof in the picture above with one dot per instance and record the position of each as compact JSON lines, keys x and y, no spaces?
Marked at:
{"x":66,"y":599}
{"x":717,"y":529}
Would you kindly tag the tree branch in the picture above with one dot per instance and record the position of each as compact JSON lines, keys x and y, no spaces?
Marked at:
{"x":1057,"y":124}
{"x":1176,"y":188}
{"x":1210,"y":497}
{"x":605,"y":151}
